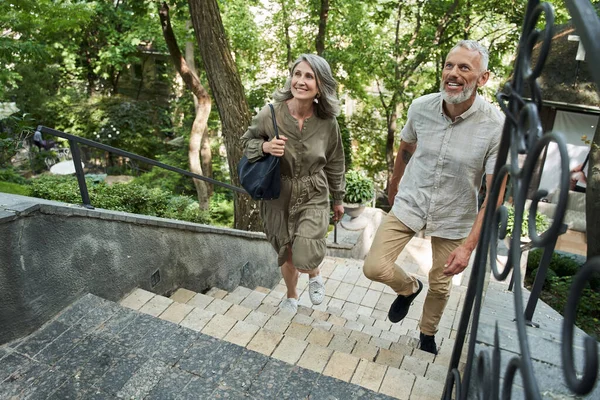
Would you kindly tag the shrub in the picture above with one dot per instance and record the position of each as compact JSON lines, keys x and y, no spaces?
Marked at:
{"x":9,"y":174}
{"x":221,"y":209}
{"x":588,"y":309}
{"x":550,"y":274}
{"x":184,"y":207}
{"x":559,"y":278}
{"x":131,"y":198}
{"x":561,"y":264}
{"x":359,"y":188}
{"x":541,"y":222}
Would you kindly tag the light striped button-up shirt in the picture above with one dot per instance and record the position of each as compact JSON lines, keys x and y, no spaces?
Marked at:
{"x":439,"y":188}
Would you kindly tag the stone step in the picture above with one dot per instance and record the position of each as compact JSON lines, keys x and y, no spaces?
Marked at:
{"x":313,"y":339}
{"x":97,"y":349}
{"x":350,"y":295}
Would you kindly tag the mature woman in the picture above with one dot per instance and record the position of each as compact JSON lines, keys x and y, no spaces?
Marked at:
{"x":312,"y":167}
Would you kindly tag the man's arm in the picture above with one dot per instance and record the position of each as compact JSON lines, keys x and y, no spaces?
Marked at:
{"x":405,"y":152}
{"x":459,"y":259}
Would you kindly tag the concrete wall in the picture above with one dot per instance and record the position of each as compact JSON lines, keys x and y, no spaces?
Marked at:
{"x":52,"y":253}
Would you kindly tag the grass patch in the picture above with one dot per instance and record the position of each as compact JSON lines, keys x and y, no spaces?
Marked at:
{"x":14,"y":188}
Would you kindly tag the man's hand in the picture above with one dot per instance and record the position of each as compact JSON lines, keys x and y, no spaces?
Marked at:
{"x":457,"y":261}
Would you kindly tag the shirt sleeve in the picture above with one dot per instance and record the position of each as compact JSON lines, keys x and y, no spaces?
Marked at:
{"x":409,"y":133}
{"x":335,"y":167}
{"x":490,"y":162}
{"x":256,"y":135}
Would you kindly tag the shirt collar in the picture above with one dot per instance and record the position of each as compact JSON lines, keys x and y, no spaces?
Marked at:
{"x":474,"y":107}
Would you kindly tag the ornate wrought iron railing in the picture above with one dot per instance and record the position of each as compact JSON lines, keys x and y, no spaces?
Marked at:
{"x":523,"y":134}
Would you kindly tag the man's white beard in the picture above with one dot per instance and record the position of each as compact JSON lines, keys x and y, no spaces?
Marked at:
{"x":461,"y":97}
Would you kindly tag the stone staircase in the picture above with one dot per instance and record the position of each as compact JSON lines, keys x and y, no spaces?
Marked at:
{"x":236,"y":345}
{"x":347,"y":337}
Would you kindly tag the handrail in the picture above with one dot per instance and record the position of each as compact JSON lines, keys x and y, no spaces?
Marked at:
{"x":85,"y":197}
{"x":74,"y":140}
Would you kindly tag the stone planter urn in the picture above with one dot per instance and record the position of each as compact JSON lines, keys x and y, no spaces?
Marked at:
{"x":353,"y":210}
{"x":355,"y":220}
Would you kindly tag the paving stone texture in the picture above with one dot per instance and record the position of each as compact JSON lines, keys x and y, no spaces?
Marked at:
{"x":234,"y":345}
{"x":240,"y":345}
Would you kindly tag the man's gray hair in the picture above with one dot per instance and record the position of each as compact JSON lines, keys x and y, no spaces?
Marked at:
{"x":328,"y":105}
{"x":474,"y":45}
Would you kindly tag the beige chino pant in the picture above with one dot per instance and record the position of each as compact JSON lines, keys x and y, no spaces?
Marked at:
{"x":390,"y":239}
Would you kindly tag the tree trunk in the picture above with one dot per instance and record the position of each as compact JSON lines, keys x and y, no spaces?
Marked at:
{"x":320,"y":41}
{"x":204,"y":143}
{"x":206,"y":159}
{"x":286,"y":29}
{"x":202,"y":101}
{"x":592,"y":198}
{"x":227,"y":89}
{"x":389,"y":143}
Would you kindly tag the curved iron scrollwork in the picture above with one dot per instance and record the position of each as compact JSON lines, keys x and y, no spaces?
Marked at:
{"x":523,"y":135}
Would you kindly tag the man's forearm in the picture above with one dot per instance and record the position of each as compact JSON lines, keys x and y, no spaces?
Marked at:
{"x":473,"y":238}
{"x":404,"y":155}
{"x":405,"y":152}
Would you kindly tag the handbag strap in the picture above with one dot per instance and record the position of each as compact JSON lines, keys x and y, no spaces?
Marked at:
{"x":274,"y":120}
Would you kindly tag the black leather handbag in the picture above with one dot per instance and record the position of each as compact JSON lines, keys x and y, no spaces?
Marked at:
{"x":262,"y":178}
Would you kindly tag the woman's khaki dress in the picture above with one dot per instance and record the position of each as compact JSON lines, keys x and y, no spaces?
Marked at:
{"x":311,"y":168}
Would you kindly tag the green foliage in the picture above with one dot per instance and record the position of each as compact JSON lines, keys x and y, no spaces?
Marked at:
{"x":167,"y":180}
{"x":559,"y":277}
{"x":346,"y":142}
{"x":359,"y":188}
{"x":541,"y":222}
{"x":562,"y":264}
{"x":221,"y":210}
{"x":130,"y":198}
{"x":14,"y":188}
{"x":588,"y":308}
{"x":14,"y":130}
{"x":550,"y":274}
{"x":368,"y":139}
{"x":11,"y":175}
{"x":131,"y":125}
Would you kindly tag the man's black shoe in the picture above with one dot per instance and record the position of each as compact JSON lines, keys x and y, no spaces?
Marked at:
{"x":428,"y":344}
{"x":400,"y":306}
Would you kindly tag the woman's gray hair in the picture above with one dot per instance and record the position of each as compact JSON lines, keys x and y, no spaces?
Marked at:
{"x":474,"y":45}
{"x":328,"y":105}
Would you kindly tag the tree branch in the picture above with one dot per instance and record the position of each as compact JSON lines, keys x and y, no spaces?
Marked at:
{"x":320,"y":41}
{"x":188,"y":76}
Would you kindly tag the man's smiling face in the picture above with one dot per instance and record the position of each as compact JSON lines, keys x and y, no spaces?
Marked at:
{"x":462,"y":75}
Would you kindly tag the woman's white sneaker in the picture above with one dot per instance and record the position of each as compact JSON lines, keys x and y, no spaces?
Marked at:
{"x":316,"y":290}
{"x":290,"y":305}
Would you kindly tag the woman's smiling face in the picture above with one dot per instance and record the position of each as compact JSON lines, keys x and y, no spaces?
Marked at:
{"x":304,"y":82}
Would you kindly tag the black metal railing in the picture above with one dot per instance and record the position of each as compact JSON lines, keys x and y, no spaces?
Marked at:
{"x":522,"y":134}
{"x":74,"y":142}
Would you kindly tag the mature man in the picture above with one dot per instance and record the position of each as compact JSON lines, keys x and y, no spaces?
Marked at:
{"x":451,"y":139}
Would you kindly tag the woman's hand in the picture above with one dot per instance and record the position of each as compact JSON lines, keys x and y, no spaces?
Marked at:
{"x":338,"y":212}
{"x":275,"y":147}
